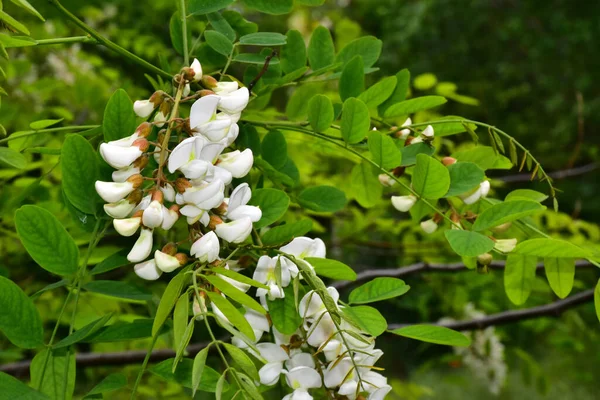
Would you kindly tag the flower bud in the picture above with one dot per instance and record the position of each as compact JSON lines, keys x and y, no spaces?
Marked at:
{"x":226,"y":87}
{"x":143,"y":108}
{"x":157,"y":98}
{"x":170,"y":249}
{"x":166,"y":262}
{"x":121,"y":175}
{"x":183,"y":258}
{"x":206,"y":249}
{"x":428,"y":132}
{"x":429,"y":226}
{"x":168,"y":192}
{"x":135,"y":197}
{"x":165,"y":108}
{"x":197,"y":69}
{"x":234,"y":102}
{"x":153,"y":215}
{"x":112,"y":192}
{"x":147,"y":270}
{"x":209,"y":82}
{"x":484,"y":259}
{"x":181,"y":184}
{"x":157,"y":195}
{"x":398,"y":171}
{"x":199,"y":306}
{"x":214,"y":222}
{"x":170,"y":216}
{"x":118,"y":156}
{"x":144,"y":129}
{"x":385,"y":180}
{"x":188,"y":73}
{"x":403,"y":133}
{"x":141,"y":162}
{"x":120,"y":209}
{"x":221,"y":210}
{"x":205,"y":92}
{"x":142,"y":144}
{"x":403,"y":203}
{"x":448,"y":161}
{"x":236,"y":162}
{"x":136,"y":180}
{"x":505,"y":245}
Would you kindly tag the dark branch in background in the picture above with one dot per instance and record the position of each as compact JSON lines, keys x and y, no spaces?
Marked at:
{"x":21,"y":368}
{"x":262,"y":71}
{"x":548,"y":310}
{"x":425,"y":267}
{"x":566,"y":173}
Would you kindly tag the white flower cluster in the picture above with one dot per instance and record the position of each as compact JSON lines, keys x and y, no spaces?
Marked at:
{"x":485,"y":356}
{"x":201,"y":176}
{"x":319,"y":354}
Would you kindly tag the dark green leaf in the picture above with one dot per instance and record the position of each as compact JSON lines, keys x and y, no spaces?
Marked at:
{"x":293,"y":54}
{"x":46,"y":241}
{"x":80,"y":173}
{"x":321,"y":52}
{"x":221,"y":25}
{"x":355,"y":121}
{"x":255,"y":58}
{"x":430,"y":180}
{"x":433,"y":334}
{"x":286,"y":232}
{"x":322,"y":199}
{"x":242,"y":360}
{"x":413,"y":105}
{"x":19,"y":319}
{"x":271,"y":7}
{"x":379,"y":92}
{"x":464,"y":176}
{"x":24,"y":4}
{"x":400,"y":91}
{"x":320,"y":113}
{"x":467,"y":243}
{"x":332,"y":269}
{"x":274,"y":149}
{"x":218,"y":42}
{"x":501,"y":213}
{"x":180,"y":320}
{"x":352,"y":81}
{"x":121,"y":290}
{"x":263,"y":39}
{"x":384,"y":151}
{"x":200,"y":7}
{"x":119,"y":118}
{"x":234,"y":293}
{"x":378,"y":289}
{"x":273,"y":204}
{"x":410,"y":153}
{"x":198,"y":368}
{"x":123,"y":331}
{"x":117,"y":260}
{"x":84,"y":332}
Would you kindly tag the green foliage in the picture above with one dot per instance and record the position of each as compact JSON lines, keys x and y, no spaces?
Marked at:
{"x":119,"y":118}
{"x":284,"y":314}
{"x":332,"y":269}
{"x":273,"y":204}
{"x":383,"y":150}
{"x":320,"y":113}
{"x":378,"y":289}
{"x":321,"y":52}
{"x":467,"y":243}
{"x":542,"y":247}
{"x":53,"y":372}
{"x":111,"y":383}
{"x":20,"y":320}
{"x":413,"y":105}
{"x":80,"y":172}
{"x":352,"y":80}
{"x":119,"y":290}
{"x":286,"y":232}
{"x":232,"y":314}
{"x":519,"y":277}
{"x":431,"y":180}
{"x":168,"y":301}
{"x":464,"y":176}
{"x":322,"y":199}
{"x":13,"y":388}
{"x":367,"y":318}
{"x":365,"y":186}
{"x":560,"y":273}
{"x":501,"y":213}
{"x":433,"y":334}
{"x":183,"y":374}
{"x":219,"y":42}
{"x":355,"y":120}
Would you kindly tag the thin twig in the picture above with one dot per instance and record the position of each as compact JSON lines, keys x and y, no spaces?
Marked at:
{"x":262,"y":71}
{"x":562,"y":174}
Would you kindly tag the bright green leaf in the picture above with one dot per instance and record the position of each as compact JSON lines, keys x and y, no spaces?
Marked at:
{"x":274,"y":149}
{"x":58,"y":379}
{"x":220,"y":24}
{"x":597,"y":299}
{"x":320,"y":113}
{"x":286,"y":232}
{"x":263,"y":39}
{"x":501,"y":213}
{"x":399,"y":93}
{"x":433,"y":334}
{"x":238,"y":277}
{"x":121,"y":290}
{"x":367,"y":318}
{"x":379,"y":92}
{"x":293,"y":54}
{"x":431,"y":179}
{"x":242,"y":360}
{"x":368,"y":47}
{"x":485,"y":157}
{"x":283,"y":313}
{"x":560,"y":273}
{"x":525,"y":194}
{"x":322,"y":199}
{"x":366,"y":188}
{"x":198,"y":368}
{"x":271,"y":7}
{"x":122,"y":331}
{"x":352,"y":81}
{"x":218,"y":42}
{"x":200,"y":7}
{"x":467,"y":243}
{"x":119,"y":118}
{"x":355,"y":121}
{"x":321,"y":52}
{"x":111,"y":383}
{"x":378,"y":289}
{"x":550,"y":248}
{"x":80,"y":173}
{"x":84,"y":332}
{"x":332,"y":269}
{"x":168,"y":300}
{"x":410,"y":153}
{"x":232,"y":314}
{"x":255,"y":58}
{"x":519,"y":276}
{"x":12,"y":158}
{"x":183,"y":374}
{"x":273,"y":204}
{"x":234,"y":293}
{"x":44,"y":123}
{"x":12,"y":388}
{"x":13,"y":23}
{"x":413,"y":105}
{"x":114,"y":261}
{"x":464,"y":176}
{"x":384,"y":151}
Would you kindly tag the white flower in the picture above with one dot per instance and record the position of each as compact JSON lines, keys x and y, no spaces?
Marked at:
{"x":236,"y":162}
{"x":481,"y":191}
{"x":312,"y":306}
{"x":168,"y":192}
{"x":197,"y":67}
{"x":143,"y":108}
{"x":153,"y":215}
{"x":169,"y":218}
{"x":160,"y":119}
{"x":237,"y":208}
{"x":120,"y":209}
{"x":405,"y":132}
{"x":234,"y":102}
{"x":385,"y":180}
{"x":275,"y":357}
{"x":333,"y":349}
{"x":166,"y":262}
{"x":203,"y":110}
{"x":302,"y":247}
{"x":403,"y":203}
{"x":147,"y":270}
{"x":321,"y":330}
{"x":428,"y":132}
{"x":112,"y":192}
{"x":194,"y":157}
{"x":301,"y":379}
{"x":225,"y":87}
{"x":338,"y":372}
{"x":205,"y":196}
{"x":429,"y":226}
{"x":119,"y":157}
{"x":298,"y":394}
{"x":128,"y":226}
{"x":379,"y":394}
{"x":217,"y":128}
{"x":235,"y":231}
{"x":206,"y":249}
{"x":142,"y":247}
{"x":121,"y":175}
{"x":265,"y":272}
{"x":186,"y":90}
{"x":506,"y":245}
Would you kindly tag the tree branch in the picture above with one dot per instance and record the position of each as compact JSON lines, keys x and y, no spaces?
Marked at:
{"x":547,"y":310}
{"x":426,"y":267}
{"x":562,"y":174}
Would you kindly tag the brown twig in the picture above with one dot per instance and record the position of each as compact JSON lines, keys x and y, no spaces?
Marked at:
{"x":262,"y":71}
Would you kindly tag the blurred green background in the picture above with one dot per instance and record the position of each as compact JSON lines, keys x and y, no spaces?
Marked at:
{"x":529,"y":67}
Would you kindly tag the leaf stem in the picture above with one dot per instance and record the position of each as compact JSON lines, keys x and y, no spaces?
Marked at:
{"x":186,"y":56}
{"x":65,"y":40}
{"x":144,"y":365}
{"x":111,"y":45}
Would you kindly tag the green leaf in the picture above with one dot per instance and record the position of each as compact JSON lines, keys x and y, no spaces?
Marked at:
{"x":242,"y":360}
{"x":273,"y":204}
{"x":111,"y":383}
{"x":410,"y":153}
{"x":464,"y":176}
{"x":368,"y":47}
{"x":332,"y":269}
{"x":283,"y":312}
{"x":80,"y":172}
{"x":379,"y":92}
{"x":13,"y":23}
{"x":19,"y":319}
{"x":119,"y":118}
{"x":249,"y":386}
{"x":232,"y":314}
{"x":384,"y":151}
{"x":320,"y":113}
{"x":597,"y":299}
{"x":485,"y":157}
{"x":198,"y":368}
{"x":27,"y":6}
{"x":433,"y":334}
{"x":293,"y":54}
{"x":180,"y":320}
{"x":467,"y":243}
{"x":201,"y":7}
{"x":84,"y":332}
{"x":234,"y":293}
{"x":321,"y":52}
{"x":176,"y":32}
{"x":255,"y":58}
{"x":238,"y":277}
{"x":352,"y":81}
{"x":430,"y":180}
{"x":46,"y":240}
{"x":399,"y":93}
{"x":120,"y":290}
{"x":183,"y":374}
{"x":271,"y":7}
{"x":292,"y":76}
{"x":168,"y":300}
{"x":279,"y":177}
{"x":182,"y":343}
{"x":365,"y":186}
{"x":218,"y":42}
{"x":122,"y":331}
{"x":12,"y":158}
{"x":44,"y":123}
{"x":366,"y":318}
{"x":355,"y":121}
{"x":286,"y":232}
{"x":519,"y":276}
{"x":12,"y":388}
{"x":425,"y":81}
{"x":58,"y":380}
{"x":263,"y":39}
{"x":378,"y":289}
{"x":525,"y":194}
{"x":114,"y":261}
{"x":297,"y":106}
{"x":249,"y":139}
{"x":413,"y":105}
{"x":239,"y":23}
{"x":322,"y":199}
{"x":451,"y":128}
{"x":550,"y":248}
{"x":501,"y":213}
{"x":560,"y":273}
{"x":274,"y":149}
{"x":220,"y":24}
